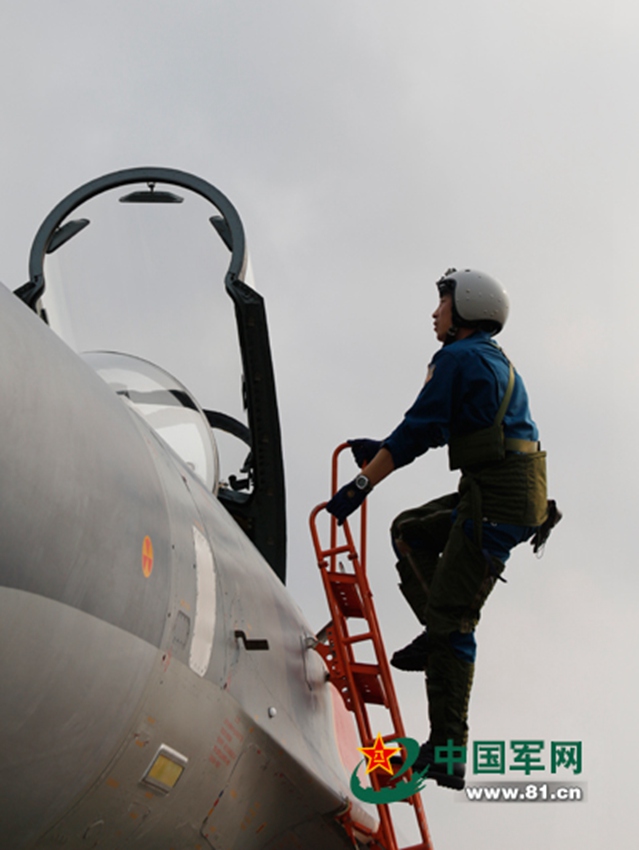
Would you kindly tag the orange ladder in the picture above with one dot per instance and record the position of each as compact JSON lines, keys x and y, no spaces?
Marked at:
{"x":360,"y":684}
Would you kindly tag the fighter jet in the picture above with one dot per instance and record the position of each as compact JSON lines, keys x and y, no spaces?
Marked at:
{"x":159,"y":686}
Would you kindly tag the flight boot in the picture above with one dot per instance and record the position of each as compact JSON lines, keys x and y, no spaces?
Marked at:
{"x":448,"y":684}
{"x":413,"y":656}
{"x":446,"y":764}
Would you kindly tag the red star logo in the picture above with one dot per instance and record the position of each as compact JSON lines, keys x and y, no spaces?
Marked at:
{"x":379,"y":755}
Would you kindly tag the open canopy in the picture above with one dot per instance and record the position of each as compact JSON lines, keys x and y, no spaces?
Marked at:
{"x":141,"y":263}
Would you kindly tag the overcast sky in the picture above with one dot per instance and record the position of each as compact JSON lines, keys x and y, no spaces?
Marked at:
{"x":368,"y":146}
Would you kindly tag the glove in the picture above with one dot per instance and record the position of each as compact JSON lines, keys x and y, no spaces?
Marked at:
{"x":364,"y":450}
{"x":345,"y":501}
{"x":542,"y":534}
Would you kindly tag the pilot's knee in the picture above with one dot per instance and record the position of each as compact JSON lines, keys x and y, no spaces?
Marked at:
{"x":400,"y":547}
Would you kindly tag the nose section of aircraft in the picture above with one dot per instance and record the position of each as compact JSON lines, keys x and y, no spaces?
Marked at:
{"x":85,"y":555}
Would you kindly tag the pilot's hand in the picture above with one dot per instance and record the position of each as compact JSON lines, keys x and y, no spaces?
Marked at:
{"x":538,"y":541}
{"x":364,"y":450}
{"x":345,"y":501}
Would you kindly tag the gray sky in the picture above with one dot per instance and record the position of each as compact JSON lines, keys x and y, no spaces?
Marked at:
{"x":368,"y":146}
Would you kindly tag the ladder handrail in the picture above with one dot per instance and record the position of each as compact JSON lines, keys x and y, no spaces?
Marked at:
{"x":339,"y":653}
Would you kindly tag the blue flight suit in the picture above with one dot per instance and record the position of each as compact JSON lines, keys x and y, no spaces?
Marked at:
{"x":466,"y":382}
{"x":452,"y":550}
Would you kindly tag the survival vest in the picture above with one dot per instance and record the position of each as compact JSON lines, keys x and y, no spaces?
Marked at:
{"x":503,"y":479}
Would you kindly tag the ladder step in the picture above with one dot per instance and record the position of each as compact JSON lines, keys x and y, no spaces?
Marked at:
{"x":358,"y":638}
{"x":368,"y":682}
{"x":347,"y":594}
{"x":337,"y":550}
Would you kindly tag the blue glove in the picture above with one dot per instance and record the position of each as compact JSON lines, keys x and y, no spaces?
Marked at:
{"x":364,"y":450}
{"x":345,"y":501}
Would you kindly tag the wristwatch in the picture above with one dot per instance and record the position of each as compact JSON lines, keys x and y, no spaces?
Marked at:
{"x":363,"y":483}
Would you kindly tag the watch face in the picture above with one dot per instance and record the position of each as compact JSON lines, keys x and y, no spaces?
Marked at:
{"x":362,"y":482}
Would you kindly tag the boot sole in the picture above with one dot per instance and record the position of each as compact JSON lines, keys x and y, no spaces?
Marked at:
{"x":455,"y":783}
{"x":409,"y":666}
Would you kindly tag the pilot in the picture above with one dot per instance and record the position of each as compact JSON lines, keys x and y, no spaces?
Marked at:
{"x":452,"y":550}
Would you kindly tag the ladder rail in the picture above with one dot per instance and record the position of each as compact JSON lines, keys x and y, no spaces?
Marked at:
{"x":377,"y":641}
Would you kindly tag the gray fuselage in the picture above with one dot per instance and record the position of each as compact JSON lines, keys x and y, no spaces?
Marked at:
{"x":132,"y":713}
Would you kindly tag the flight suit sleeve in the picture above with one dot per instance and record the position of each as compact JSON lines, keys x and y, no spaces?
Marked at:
{"x":426,"y":424}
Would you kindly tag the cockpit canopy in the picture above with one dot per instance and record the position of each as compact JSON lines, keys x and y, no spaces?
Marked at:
{"x":166,"y":405}
{"x":137,"y":273}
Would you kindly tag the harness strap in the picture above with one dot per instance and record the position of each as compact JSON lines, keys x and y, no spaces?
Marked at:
{"x":511,"y":444}
{"x":503,"y":407}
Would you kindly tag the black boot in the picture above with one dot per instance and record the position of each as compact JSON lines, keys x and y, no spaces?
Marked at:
{"x":447,"y":774}
{"x":413,"y":656}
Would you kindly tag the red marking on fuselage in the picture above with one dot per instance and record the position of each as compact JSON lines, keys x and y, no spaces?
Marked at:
{"x":147,"y":556}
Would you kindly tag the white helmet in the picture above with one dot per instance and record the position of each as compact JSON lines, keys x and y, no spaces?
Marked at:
{"x":479,"y":301}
